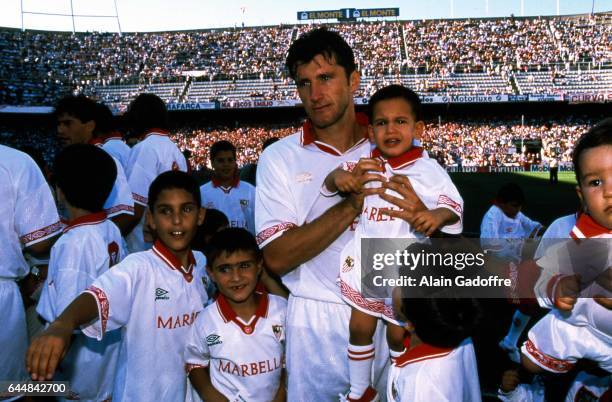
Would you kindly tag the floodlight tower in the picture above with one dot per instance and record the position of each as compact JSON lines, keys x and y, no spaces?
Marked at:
{"x":72,"y":15}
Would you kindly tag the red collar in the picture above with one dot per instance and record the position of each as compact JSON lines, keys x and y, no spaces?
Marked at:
{"x":115,"y":135}
{"x":228,"y":314}
{"x":89,"y":219}
{"x":420,"y":353}
{"x":308,"y":136}
{"x":97,"y":141}
{"x":234,"y":184}
{"x":166,"y":255}
{"x":586,"y":227}
{"x":154,"y":131}
{"x":403,"y":160}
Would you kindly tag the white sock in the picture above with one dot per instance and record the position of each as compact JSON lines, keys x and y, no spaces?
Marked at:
{"x":519,"y":322}
{"x":395,"y":355}
{"x":360,"y":368}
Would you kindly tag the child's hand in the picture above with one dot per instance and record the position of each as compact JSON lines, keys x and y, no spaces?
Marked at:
{"x":46,"y":351}
{"x":427,"y":222}
{"x":566,"y":293}
{"x":347,"y":182}
{"x":510,"y":380}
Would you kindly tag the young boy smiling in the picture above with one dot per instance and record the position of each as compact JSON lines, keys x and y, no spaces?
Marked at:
{"x":235,"y":349}
{"x":152,"y":296}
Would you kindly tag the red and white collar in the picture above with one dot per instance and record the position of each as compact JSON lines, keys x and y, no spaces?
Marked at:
{"x":228,"y":314}
{"x":115,"y":135}
{"x":308,"y":136}
{"x":234,"y":184}
{"x":154,"y":131}
{"x":420,"y":353}
{"x":400,"y":161}
{"x":172,"y":262}
{"x":89,"y":219}
{"x":587,"y":227}
{"x":97,"y":141}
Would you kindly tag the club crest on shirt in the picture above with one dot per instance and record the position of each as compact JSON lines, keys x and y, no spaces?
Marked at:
{"x":244,"y":203}
{"x":213,"y":339}
{"x":304,"y":177}
{"x":161,"y":294}
{"x":278,"y":332}
{"x":348,"y":264}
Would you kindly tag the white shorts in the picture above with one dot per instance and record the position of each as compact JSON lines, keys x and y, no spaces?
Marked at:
{"x":13,"y":336}
{"x":350,"y":286}
{"x":317,"y":357}
{"x":556,"y":345}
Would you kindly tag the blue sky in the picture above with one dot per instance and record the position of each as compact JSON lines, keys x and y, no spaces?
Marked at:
{"x":158,"y":15}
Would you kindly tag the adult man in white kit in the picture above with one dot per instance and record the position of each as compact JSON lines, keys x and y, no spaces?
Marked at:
{"x":301,"y":233}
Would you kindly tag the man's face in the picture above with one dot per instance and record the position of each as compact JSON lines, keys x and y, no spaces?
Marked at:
{"x":325,"y":90}
{"x":70,"y":130}
{"x":224,"y":165}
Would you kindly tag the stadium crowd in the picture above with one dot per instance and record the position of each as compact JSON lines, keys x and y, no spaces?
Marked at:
{"x":38,"y":66}
{"x":462,"y":142}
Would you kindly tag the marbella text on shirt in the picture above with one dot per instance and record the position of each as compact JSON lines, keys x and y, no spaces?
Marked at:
{"x":249,"y":369}
{"x":177,"y":321}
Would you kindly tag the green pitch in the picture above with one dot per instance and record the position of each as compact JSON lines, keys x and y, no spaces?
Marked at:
{"x":544,"y":202}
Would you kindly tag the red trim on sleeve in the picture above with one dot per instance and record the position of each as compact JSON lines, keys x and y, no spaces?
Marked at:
{"x":271,"y":231}
{"x":550,"y":363}
{"x":40,"y":233}
{"x":102,"y":300}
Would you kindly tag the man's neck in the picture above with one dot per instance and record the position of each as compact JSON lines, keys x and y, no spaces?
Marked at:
{"x":226,"y":182}
{"x":343,"y":134}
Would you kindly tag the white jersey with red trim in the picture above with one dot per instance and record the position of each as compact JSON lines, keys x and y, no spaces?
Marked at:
{"x":556,"y":233}
{"x":245,"y":358}
{"x":28,"y":210}
{"x":237,"y":202}
{"x":154,"y":155}
{"x":428,"y":373}
{"x":590,"y":388}
{"x":154,"y":300}
{"x":431,"y":184}
{"x":118,"y":149}
{"x":290,"y":174}
{"x":504,"y":235}
{"x":89,"y":246}
{"x":29,"y":216}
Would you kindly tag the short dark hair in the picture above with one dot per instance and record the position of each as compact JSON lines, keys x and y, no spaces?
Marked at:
{"x":104,"y":120}
{"x":173,"y":179}
{"x":511,"y":192}
{"x":598,"y":135}
{"x":145,"y":112}
{"x":443,"y":322}
{"x":221,"y":146}
{"x":231,"y":240}
{"x":86,"y":175}
{"x":80,"y":107}
{"x":394,"y":92}
{"x":324,"y":42}
{"x":213,"y":221}
{"x":269,"y":142}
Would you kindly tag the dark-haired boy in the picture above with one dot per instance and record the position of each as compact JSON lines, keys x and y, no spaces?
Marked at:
{"x":236,"y":347}
{"x":152,"y":296}
{"x":226,"y":192}
{"x":147,"y":117}
{"x":108,"y":137}
{"x":76,"y":123}
{"x":88,"y":247}
{"x":440,"y":363}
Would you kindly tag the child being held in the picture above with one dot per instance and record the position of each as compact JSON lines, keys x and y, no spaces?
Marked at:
{"x":396,"y":123}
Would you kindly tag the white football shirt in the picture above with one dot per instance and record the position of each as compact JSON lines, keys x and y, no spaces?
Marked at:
{"x":237,"y":202}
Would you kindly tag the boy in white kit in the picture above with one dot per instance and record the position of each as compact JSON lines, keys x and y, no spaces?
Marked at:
{"x":396,"y":122}
{"x":152,"y":296}
{"x":580,"y":324}
{"x":109,"y":138}
{"x":90,"y":245}
{"x":235,"y":349}
{"x":226,"y":192}
{"x":156,"y":153}
{"x":30,"y":221}
{"x":440,"y":363}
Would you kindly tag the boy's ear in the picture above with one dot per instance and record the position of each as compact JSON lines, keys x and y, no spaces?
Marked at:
{"x":90,"y":126}
{"x":150,"y":220}
{"x":581,"y":197}
{"x":354,"y":80}
{"x":419,"y":128}
{"x":201,"y":215}
{"x":371,"y":133}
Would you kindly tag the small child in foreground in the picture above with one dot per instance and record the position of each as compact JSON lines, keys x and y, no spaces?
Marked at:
{"x":235,"y":349}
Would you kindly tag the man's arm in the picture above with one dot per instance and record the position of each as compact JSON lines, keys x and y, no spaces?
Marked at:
{"x":46,"y":351}
{"x":129,"y":222}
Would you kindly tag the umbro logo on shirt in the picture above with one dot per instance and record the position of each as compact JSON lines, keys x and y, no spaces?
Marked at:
{"x":304,"y":177}
{"x":161,"y":294}
{"x":213,"y":339}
